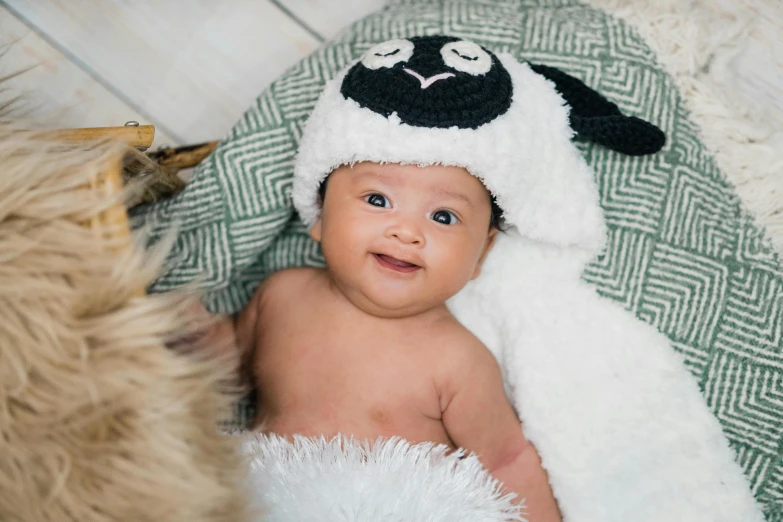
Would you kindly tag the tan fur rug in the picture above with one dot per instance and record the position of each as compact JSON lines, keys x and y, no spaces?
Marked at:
{"x":99,"y":421}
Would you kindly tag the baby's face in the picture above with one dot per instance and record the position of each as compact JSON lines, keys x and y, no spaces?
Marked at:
{"x":401,"y":239}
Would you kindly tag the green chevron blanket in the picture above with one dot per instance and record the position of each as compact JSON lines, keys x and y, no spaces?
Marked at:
{"x":683,"y":255}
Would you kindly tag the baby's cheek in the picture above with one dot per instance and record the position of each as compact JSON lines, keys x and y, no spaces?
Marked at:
{"x":469,"y":253}
{"x":454,"y":269}
{"x":342,"y":245}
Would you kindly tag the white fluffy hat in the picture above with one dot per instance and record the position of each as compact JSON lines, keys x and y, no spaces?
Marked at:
{"x":442,"y":100}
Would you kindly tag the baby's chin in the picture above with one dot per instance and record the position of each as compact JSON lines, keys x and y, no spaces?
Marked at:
{"x":392,"y":305}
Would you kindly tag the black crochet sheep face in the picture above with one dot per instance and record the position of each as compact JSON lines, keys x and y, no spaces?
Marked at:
{"x":431,"y":81}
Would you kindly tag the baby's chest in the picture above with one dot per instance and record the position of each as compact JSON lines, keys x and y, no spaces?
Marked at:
{"x":348,"y":369}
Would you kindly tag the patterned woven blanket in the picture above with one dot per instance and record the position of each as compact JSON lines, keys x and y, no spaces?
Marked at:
{"x":682,"y":254}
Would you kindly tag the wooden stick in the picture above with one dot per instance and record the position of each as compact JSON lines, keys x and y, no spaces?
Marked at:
{"x":139,"y":137}
{"x":183,"y":157}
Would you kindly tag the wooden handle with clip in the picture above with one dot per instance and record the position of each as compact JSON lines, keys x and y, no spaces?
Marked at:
{"x":140,"y":136}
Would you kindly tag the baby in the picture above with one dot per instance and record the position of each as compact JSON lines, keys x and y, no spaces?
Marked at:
{"x":397,"y":146}
{"x":367,"y":348}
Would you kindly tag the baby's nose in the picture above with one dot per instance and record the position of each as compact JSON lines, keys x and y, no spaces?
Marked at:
{"x":406,"y":231}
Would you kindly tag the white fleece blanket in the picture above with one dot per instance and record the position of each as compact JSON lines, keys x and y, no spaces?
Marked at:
{"x":620,"y":424}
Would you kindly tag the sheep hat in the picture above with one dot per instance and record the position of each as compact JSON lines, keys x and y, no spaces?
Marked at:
{"x":444,"y":100}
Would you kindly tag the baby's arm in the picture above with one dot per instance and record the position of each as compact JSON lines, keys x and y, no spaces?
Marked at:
{"x":227,"y":334}
{"x":478,"y":417}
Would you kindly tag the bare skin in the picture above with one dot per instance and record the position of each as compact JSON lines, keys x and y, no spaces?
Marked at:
{"x":367,"y":348}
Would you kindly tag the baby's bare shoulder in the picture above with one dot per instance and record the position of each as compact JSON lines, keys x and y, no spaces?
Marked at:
{"x":462,"y":355}
{"x":288,"y":282}
{"x":293,"y":275}
{"x":282,"y":288}
{"x":460,"y":344}
{"x":279,"y":297}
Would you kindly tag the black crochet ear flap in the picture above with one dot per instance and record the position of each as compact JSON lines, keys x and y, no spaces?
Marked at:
{"x":595,"y":118}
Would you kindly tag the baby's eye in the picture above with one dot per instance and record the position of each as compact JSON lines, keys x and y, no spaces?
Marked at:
{"x":377,"y":200}
{"x":444,"y":217}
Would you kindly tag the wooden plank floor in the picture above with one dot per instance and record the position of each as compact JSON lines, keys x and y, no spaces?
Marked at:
{"x":191,"y":68}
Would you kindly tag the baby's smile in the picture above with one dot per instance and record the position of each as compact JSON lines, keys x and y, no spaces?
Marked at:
{"x":394,"y":264}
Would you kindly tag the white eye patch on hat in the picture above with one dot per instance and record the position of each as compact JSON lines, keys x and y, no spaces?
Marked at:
{"x":462,"y":55}
{"x":388,"y":54}
{"x":466,"y":57}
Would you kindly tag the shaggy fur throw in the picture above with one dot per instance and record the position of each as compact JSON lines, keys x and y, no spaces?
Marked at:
{"x":99,"y":420}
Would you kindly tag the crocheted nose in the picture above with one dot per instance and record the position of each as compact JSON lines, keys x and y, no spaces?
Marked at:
{"x":426,"y":82}
{"x":426,"y":64}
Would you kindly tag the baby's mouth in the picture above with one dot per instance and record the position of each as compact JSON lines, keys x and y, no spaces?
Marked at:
{"x":395,"y":264}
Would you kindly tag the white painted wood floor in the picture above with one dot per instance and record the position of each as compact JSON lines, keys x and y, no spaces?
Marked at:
{"x":192,"y":67}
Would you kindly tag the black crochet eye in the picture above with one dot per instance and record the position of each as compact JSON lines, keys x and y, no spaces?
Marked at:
{"x":377,"y":200}
{"x":444,"y":217}
{"x":388,"y":54}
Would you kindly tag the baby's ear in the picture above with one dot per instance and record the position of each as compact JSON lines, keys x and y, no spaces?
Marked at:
{"x":487,"y":247}
{"x":315,"y":230}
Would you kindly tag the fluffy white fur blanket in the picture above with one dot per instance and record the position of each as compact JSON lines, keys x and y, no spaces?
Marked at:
{"x":343,"y":480}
